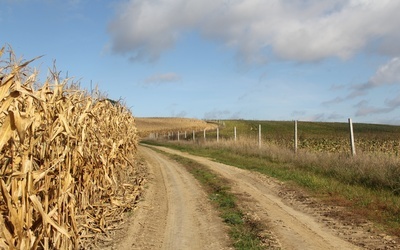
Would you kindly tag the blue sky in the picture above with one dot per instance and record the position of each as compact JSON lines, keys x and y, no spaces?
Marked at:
{"x":308,"y":60}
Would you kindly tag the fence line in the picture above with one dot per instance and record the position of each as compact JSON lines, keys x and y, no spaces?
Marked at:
{"x":353,"y":146}
{"x":295,"y":136}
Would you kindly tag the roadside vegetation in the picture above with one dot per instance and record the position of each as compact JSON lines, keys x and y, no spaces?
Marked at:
{"x":368,"y":185}
{"x":244,"y":232}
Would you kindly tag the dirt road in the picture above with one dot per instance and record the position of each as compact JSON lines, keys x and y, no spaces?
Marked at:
{"x":175,"y":212}
{"x":177,"y":215}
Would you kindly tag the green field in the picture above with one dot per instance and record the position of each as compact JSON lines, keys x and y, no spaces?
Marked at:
{"x":314,"y":136}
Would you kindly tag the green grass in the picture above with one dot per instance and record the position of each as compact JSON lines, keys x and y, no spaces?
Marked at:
{"x":276,"y":129}
{"x":364,"y":189}
{"x":243,"y":231}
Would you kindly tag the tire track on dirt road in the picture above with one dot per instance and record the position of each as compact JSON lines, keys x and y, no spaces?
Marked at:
{"x":293,"y":228}
{"x":175,"y":213}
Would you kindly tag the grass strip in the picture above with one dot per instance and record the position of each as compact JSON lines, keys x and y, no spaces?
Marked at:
{"x":244,"y":232}
{"x":380,"y":206}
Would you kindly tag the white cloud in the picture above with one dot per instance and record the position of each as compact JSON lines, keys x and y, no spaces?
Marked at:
{"x":386,"y":74}
{"x":364,"y":109}
{"x":296,"y":30}
{"x":333,"y":101}
{"x":162,"y":78}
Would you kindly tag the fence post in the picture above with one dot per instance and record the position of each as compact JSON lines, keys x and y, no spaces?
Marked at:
{"x":185,"y":134}
{"x":353,"y":146}
{"x":217,"y":134}
{"x":178,"y":135}
{"x":204,"y":134}
{"x":259,"y":136}
{"x":295,"y":136}
{"x":235,"y":132}
{"x":194,"y":136}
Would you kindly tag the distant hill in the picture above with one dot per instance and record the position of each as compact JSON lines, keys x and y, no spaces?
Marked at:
{"x":148,"y":125}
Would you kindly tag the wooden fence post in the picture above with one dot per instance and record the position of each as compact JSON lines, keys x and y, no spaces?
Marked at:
{"x":204,"y":134}
{"x":259,"y":136}
{"x":194,"y":136}
{"x":178,"y":135}
{"x":353,"y":146}
{"x":295,"y":136}
{"x":235,"y":132}
{"x":217,"y":134}
{"x":185,"y":134}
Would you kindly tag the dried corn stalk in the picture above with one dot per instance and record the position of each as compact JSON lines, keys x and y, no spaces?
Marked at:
{"x":62,"y":155}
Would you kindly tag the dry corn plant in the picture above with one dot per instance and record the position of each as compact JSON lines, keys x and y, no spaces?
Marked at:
{"x":62,"y":155}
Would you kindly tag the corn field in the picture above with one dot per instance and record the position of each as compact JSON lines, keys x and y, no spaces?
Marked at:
{"x":64,"y":158}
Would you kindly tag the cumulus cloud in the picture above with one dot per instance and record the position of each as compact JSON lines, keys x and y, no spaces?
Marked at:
{"x":295,"y":30}
{"x":162,"y":78}
{"x":364,"y":109}
{"x":333,"y":101}
{"x":387,"y":74}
